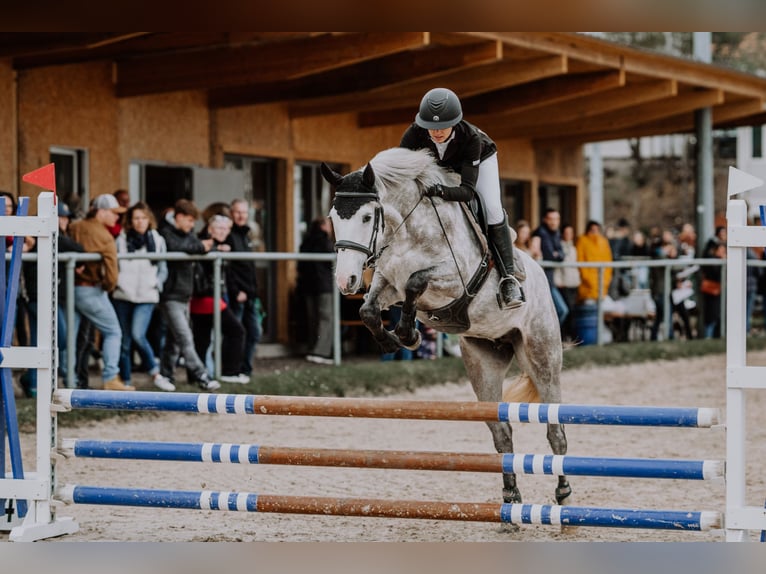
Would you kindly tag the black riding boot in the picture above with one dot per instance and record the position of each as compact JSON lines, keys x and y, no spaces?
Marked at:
{"x":509,"y":294}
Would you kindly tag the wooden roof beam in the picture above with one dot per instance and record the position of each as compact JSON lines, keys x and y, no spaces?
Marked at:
{"x":616,"y":120}
{"x":268,"y":62}
{"x":590,"y":106}
{"x":465,"y":81}
{"x":724,"y":116}
{"x":392,"y":69}
{"x":610,"y":54}
{"x":527,"y":96}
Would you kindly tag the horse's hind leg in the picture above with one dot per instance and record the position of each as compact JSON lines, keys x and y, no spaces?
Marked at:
{"x":540,"y":357}
{"x":486,"y":363}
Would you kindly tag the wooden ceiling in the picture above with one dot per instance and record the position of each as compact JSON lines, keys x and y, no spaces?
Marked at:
{"x":541,"y":85}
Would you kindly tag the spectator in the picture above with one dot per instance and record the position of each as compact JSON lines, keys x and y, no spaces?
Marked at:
{"x":202,"y":305}
{"x":640,"y":250}
{"x":22,"y":314}
{"x":665,"y":249}
{"x":593,"y":246}
{"x":687,"y":241}
{"x":525,"y":241}
{"x":242,"y":283}
{"x":138,"y":291}
{"x":177,"y":228}
{"x":567,"y":279}
{"x":315,"y":287}
{"x":620,"y":243}
{"x":752,"y":282}
{"x":65,"y":245}
{"x":710,"y":287}
{"x":123,"y":200}
{"x":28,"y":380}
{"x":621,"y":246}
{"x":550,"y":247}
{"x":97,"y":280}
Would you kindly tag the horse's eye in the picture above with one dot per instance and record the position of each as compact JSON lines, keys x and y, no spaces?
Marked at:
{"x":367,"y":218}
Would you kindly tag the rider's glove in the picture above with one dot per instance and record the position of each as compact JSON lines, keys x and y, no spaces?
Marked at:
{"x":435,"y":191}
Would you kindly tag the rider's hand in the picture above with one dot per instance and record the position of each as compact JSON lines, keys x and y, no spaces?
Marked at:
{"x":434,"y":191}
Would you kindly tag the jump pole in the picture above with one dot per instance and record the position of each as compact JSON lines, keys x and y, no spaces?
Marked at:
{"x":371,"y":507}
{"x":36,"y":486}
{"x":518,"y":463}
{"x":66,"y":399}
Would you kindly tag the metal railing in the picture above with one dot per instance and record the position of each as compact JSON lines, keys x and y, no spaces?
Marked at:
{"x":71,"y":261}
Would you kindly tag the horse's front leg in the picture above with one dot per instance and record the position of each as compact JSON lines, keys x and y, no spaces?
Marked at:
{"x":406,"y":330}
{"x":370,"y":312}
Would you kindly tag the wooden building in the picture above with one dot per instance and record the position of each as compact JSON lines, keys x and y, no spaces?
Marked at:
{"x":212,"y":116}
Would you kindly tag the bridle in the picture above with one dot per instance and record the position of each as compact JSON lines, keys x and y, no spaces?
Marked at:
{"x":370,"y":250}
{"x":378,"y":226}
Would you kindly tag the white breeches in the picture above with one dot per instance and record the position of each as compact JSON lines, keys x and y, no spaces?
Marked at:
{"x":488,"y":187}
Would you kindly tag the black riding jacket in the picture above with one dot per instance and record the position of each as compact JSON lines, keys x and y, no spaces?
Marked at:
{"x":466,"y":150}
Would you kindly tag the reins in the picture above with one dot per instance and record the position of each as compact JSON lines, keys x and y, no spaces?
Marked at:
{"x":446,"y":238}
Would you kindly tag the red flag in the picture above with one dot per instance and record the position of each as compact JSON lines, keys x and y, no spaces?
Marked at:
{"x":44,"y":177}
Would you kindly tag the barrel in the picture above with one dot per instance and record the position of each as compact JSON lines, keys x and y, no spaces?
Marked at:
{"x":586,"y":324}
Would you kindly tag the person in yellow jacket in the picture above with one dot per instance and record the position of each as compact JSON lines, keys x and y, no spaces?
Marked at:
{"x":593,"y":246}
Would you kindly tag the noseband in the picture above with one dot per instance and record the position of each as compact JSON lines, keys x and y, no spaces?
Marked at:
{"x":370,"y":248}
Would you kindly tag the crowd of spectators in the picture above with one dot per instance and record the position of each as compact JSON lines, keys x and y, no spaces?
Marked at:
{"x":116,"y":300}
{"x":572,"y":288}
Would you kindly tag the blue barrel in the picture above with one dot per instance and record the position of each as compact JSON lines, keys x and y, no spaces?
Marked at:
{"x":586,"y":324}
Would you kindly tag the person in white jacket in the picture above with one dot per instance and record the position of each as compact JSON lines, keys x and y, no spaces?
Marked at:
{"x":138,"y":290}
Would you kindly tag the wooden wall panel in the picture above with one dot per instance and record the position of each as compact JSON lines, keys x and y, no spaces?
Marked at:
{"x":253,"y":130}
{"x":516,"y":158}
{"x":8,"y":180}
{"x":172,"y":128}
{"x":338,"y":137}
{"x":71,"y":106}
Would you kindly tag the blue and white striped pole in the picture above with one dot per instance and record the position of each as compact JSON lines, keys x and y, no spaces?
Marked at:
{"x":65,"y":399}
{"x":518,"y":463}
{"x":430,"y":510}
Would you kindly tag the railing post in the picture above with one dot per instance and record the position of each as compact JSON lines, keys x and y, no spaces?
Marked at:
{"x":217,"y":262}
{"x":71,"y":332}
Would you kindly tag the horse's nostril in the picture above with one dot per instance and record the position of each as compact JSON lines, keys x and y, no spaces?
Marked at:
{"x":352,"y":280}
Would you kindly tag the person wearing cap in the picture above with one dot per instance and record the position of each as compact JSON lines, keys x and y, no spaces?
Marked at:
{"x":97,"y":280}
{"x":462,"y":147}
{"x":65,"y":244}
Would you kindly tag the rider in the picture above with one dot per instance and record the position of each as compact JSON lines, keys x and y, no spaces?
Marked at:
{"x":464,"y":148}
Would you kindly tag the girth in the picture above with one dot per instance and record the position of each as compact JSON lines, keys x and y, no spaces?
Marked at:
{"x":453,"y":318}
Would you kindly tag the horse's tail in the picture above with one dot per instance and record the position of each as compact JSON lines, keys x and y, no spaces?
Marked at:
{"x":521,"y":390}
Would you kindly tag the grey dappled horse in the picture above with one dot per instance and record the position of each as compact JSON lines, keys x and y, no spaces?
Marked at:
{"x":425,"y":262}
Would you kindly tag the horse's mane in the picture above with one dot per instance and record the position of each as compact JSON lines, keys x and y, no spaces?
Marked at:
{"x":398,"y":167}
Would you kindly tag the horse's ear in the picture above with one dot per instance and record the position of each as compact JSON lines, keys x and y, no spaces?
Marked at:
{"x":368,"y":177}
{"x":330,"y":175}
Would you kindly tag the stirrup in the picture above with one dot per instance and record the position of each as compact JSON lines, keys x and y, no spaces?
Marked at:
{"x":513,"y":303}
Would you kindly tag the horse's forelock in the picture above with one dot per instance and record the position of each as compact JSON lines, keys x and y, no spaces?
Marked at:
{"x":347,"y":205}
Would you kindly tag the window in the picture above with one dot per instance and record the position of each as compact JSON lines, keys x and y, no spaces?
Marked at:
{"x":313,"y":196}
{"x":757,"y":141}
{"x":71,"y":177}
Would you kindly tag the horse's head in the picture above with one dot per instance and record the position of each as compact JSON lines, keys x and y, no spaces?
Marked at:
{"x":357,"y":218}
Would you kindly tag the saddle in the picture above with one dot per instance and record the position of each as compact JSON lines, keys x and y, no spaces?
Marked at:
{"x":453,"y":317}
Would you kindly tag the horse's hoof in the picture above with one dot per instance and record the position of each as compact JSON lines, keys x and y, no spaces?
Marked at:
{"x":414,"y":346}
{"x":511,"y":496}
{"x":564,"y":494}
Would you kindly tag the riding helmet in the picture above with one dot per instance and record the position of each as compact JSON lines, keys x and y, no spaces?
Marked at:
{"x":439,"y":109}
